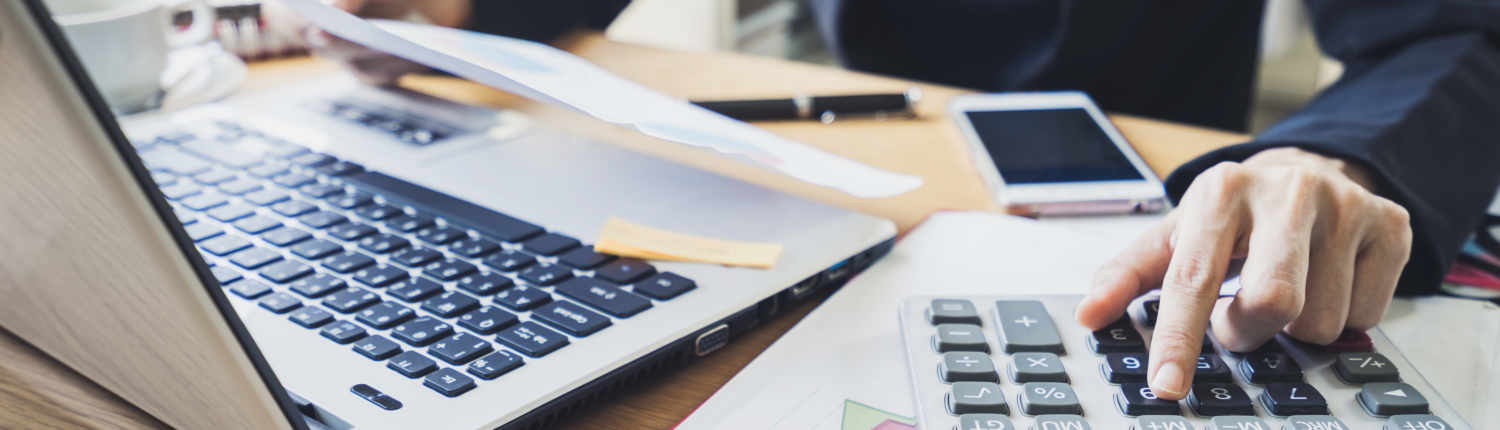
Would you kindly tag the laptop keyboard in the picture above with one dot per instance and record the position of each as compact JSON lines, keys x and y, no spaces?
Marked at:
{"x":437,"y":288}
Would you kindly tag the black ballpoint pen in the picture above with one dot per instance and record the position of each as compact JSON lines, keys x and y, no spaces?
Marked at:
{"x":823,"y":108}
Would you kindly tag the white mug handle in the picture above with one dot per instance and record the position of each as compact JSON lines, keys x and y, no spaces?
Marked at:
{"x":201,"y":30}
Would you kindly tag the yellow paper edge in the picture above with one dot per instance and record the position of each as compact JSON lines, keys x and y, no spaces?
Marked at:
{"x":647,"y":242}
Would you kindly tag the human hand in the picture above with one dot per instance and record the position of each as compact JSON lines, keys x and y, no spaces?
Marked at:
{"x":1322,"y":253}
{"x":371,"y":66}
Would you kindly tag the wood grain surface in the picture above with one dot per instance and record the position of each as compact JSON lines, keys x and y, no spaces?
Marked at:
{"x":37,"y":392}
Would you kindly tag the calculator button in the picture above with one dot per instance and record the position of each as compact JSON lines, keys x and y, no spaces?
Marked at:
{"x":948,"y":311}
{"x":412,"y":364}
{"x":377,"y":347}
{"x":1313,"y":422}
{"x":1211,"y":369}
{"x":1363,"y":367}
{"x":1231,"y":422}
{"x":968,"y":366}
{"x":1211,"y":400}
{"x":1136,"y":399}
{"x":1060,"y":422}
{"x":1046,"y":398}
{"x":532,"y":339}
{"x":985,"y":422}
{"x":496,"y":364}
{"x":460,"y":348}
{"x":976,"y":398}
{"x":1122,"y":367}
{"x":1416,"y":422}
{"x":1168,"y":422}
{"x":1262,"y":368}
{"x":1391,"y":398}
{"x":1037,"y":367}
{"x":1349,"y":341}
{"x":1147,"y":314}
{"x":422,"y":331}
{"x":960,"y":337}
{"x":1118,"y":337}
{"x":1284,"y":399}
{"x":343,"y":332}
{"x":1026,"y":327}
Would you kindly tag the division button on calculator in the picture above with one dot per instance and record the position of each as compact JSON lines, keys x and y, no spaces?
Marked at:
{"x":1263,"y":368}
{"x":1416,"y":422}
{"x":1123,"y":367}
{"x":496,"y":364}
{"x":1364,"y":367}
{"x":1060,"y":422}
{"x":343,"y":332}
{"x":1136,"y":399}
{"x":977,"y":398}
{"x":1045,"y":398}
{"x":1037,"y":367}
{"x":1117,"y":337}
{"x":412,"y":364}
{"x":1314,"y":422}
{"x":1391,"y":398}
{"x":947,"y":311}
{"x":1162,"y":422}
{"x":968,"y":366}
{"x":960,"y":337}
{"x":1211,"y":400}
{"x":377,"y":347}
{"x":1211,"y":368}
{"x":985,"y":422}
{"x":1286,"y":399}
{"x":532,"y":339}
{"x":1026,"y":327}
{"x":1230,"y":422}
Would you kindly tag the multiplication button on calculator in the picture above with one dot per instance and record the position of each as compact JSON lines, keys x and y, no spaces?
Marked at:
{"x":1022,"y":363}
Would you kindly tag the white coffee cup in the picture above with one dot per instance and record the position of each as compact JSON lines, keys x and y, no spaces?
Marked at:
{"x":123,"y":44}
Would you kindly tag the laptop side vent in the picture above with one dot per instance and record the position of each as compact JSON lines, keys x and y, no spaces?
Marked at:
{"x":602,"y":388}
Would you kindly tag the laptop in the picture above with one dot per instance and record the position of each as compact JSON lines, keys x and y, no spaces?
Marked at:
{"x":332,"y":256}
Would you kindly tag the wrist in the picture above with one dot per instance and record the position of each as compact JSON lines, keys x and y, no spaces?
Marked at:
{"x":1297,"y":157}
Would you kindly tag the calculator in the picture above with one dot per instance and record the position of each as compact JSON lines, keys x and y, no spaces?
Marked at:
{"x":1023,"y":363}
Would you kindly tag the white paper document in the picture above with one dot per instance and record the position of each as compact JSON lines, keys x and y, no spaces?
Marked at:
{"x":549,"y":75}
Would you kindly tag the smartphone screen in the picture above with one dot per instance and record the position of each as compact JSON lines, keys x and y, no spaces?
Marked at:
{"x":1050,"y":145}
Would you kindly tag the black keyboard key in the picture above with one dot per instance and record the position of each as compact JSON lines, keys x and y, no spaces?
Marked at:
{"x":1211,"y":368}
{"x":1136,"y":399}
{"x":473,"y":248}
{"x":449,"y":382}
{"x":416,"y":256}
{"x":458,"y":211}
{"x":523,"y":298}
{"x":1118,"y":337}
{"x":1123,"y":367}
{"x":250,"y":289}
{"x":448,"y":269}
{"x":532,"y":339}
{"x":385,"y":315}
{"x":284,"y":152}
{"x":1212,"y":400}
{"x":571,"y":318}
{"x":347,"y":261}
{"x":412,"y":364}
{"x":460,"y":348}
{"x":253,"y":258}
{"x":215,"y":177}
{"x":377,"y":347}
{"x":318,"y":285}
{"x":240,"y":187}
{"x":343,"y":332}
{"x":1285,"y":399}
{"x":1147,"y":314}
{"x":316,"y":249}
{"x":257,"y":224}
{"x":174,"y":162}
{"x":180,"y":191}
{"x":550,"y":244}
{"x":383,"y":243}
{"x":312,"y":160}
{"x":624,"y":271}
{"x":350,"y":300}
{"x":294,"y":180}
{"x":205,"y":202}
{"x":267,"y":171}
{"x":416,"y":289}
{"x":321,"y":191}
{"x":407,"y":223}
{"x":351,"y":200}
{"x":225,"y":275}
{"x":546,"y":275}
{"x":440,"y":235}
{"x":485,"y":283}
{"x":450,"y":304}
{"x":221,"y":153}
{"x":501,"y":362}
{"x":510,"y":261}
{"x":422,"y":331}
{"x":266,"y":197}
{"x":487,"y":320}
{"x":1264,"y":368}
{"x":229,"y":213}
{"x":340,"y":168}
{"x":604,"y":297}
{"x":311,"y":317}
{"x":664,"y":286}
{"x":285,"y":271}
{"x":380,"y":275}
{"x":584,"y":258}
{"x":377,"y":212}
{"x":321,"y":219}
{"x":293,"y":208}
{"x":200,"y":232}
{"x":1365,"y":367}
{"x":280,"y":303}
{"x":224,"y":245}
{"x":285,"y":236}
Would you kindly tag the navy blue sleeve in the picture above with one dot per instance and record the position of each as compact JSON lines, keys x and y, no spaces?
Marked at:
{"x":1418,"y":106}
{"x":542,"y":20}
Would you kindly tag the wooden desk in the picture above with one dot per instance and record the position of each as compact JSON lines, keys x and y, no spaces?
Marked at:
{"x":37,"y":392}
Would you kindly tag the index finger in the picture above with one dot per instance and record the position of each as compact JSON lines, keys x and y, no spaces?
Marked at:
{"x":1201,"y":254}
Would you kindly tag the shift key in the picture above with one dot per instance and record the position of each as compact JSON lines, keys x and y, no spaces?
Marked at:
{"x":1026,"y":327}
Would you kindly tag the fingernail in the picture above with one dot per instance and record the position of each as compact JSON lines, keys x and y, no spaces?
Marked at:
{"x":1169,"y":378}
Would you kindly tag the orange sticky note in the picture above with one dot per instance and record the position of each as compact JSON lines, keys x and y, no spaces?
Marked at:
{"x":624,"y":238}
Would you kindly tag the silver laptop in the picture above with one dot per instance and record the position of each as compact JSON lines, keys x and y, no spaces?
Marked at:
{"x":345,"y":257}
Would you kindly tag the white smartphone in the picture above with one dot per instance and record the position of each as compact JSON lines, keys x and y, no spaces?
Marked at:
{"x":1055,"y":153}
